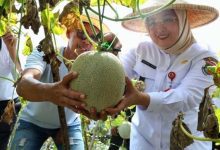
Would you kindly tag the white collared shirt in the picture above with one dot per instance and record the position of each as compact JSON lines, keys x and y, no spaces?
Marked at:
{"x":151,"y":127}
{"x":6,"y":67}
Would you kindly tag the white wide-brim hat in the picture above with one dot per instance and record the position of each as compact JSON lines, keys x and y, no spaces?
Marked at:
{"x":198,"y":15}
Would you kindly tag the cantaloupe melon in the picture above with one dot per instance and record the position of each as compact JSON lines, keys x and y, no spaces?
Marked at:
{"x":101,"y":77}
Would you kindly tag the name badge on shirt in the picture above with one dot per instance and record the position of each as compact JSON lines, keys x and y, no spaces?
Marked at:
{"x":148,"y":64}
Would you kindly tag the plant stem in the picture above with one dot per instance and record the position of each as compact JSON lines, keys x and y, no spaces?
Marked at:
{"x":113,"y":9}
{"x":100,"y":19}
{"x":19,"y":37}
{"x":196,"y":137}
{"x":1,"y":77}
{"x":94,"y":135}
{"x":136,"y":16}
{"x":84,"y":131}
{"x":56,"y":78}
{"x":90,"y":22}
{"x":84,"y":30}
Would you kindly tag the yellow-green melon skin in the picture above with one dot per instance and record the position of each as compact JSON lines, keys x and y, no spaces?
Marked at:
{"x":101,"y":77}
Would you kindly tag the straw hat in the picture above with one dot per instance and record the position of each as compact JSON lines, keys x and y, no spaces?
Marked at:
{"x":95,"y":21}
{"x":198,"y":15}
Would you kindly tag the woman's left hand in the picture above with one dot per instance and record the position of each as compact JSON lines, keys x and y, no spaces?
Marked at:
{"x":132,"y":97}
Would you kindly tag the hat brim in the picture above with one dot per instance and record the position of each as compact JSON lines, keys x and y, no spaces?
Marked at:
{"x":198,"y":15}
{"x":95,"y":22}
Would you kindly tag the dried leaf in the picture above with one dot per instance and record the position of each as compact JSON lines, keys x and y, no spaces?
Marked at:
{"x":202,"y":111}
{"x":207,"y":120}
{"x":70,"y":16}
{"x":46,"y":45}
{"x":178,"y":139}
{"x":211,"y":126}
{"x":31,"y":18}
{"x":9,"y":113}
{"x":43,"y":3}
{"x":55,"y":67}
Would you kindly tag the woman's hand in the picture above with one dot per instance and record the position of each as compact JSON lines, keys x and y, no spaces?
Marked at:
{"x":10,"y":41}
{"x":132,"y":97}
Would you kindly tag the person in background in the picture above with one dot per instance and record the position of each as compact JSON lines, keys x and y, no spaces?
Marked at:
{"x":9,"y":65}
{"x":173,"y":66}
{"x":39,"y":119}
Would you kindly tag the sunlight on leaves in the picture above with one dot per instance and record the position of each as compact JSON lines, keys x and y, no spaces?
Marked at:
{"x":28,"y":46}
{"x":3,"y":28}
{"x":50,"y":20}
{"x":126,"y":3}
{"x":217,"y":113}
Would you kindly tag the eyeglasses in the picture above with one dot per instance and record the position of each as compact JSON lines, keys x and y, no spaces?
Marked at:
{"x":151,"y":23}
{"x":81,"y":35}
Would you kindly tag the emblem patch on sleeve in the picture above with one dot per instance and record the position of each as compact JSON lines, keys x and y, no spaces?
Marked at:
{"x":209,"y":61}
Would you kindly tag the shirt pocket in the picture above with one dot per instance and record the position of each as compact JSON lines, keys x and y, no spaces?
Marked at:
{"x":147,"y":73}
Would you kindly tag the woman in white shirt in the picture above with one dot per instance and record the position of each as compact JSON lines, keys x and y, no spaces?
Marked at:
{"x":173,"y":67}
{"x":8,"y":93}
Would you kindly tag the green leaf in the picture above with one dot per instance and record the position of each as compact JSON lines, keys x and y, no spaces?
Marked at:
{"x":50,"y":20}
{"x":3,"y":27}
{"x":28,"y":48}
{"x":95,"y":3}
{"x":20,"y":1}
{"x":216,"y":93}
{"x":13,"y":18}
{"x":217,"y":113}
{"x":57,"y":29}
{"x":131,"y":107}
{"x":118,"y":121}
{"x":5,"y":3}
{"x":47,"y":19}
{"x":1,"y":2}
{"x":126,"y":3}
{"x":26,"y":51}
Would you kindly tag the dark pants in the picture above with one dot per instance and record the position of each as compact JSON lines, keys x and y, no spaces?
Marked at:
{"x":6,"y":129}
